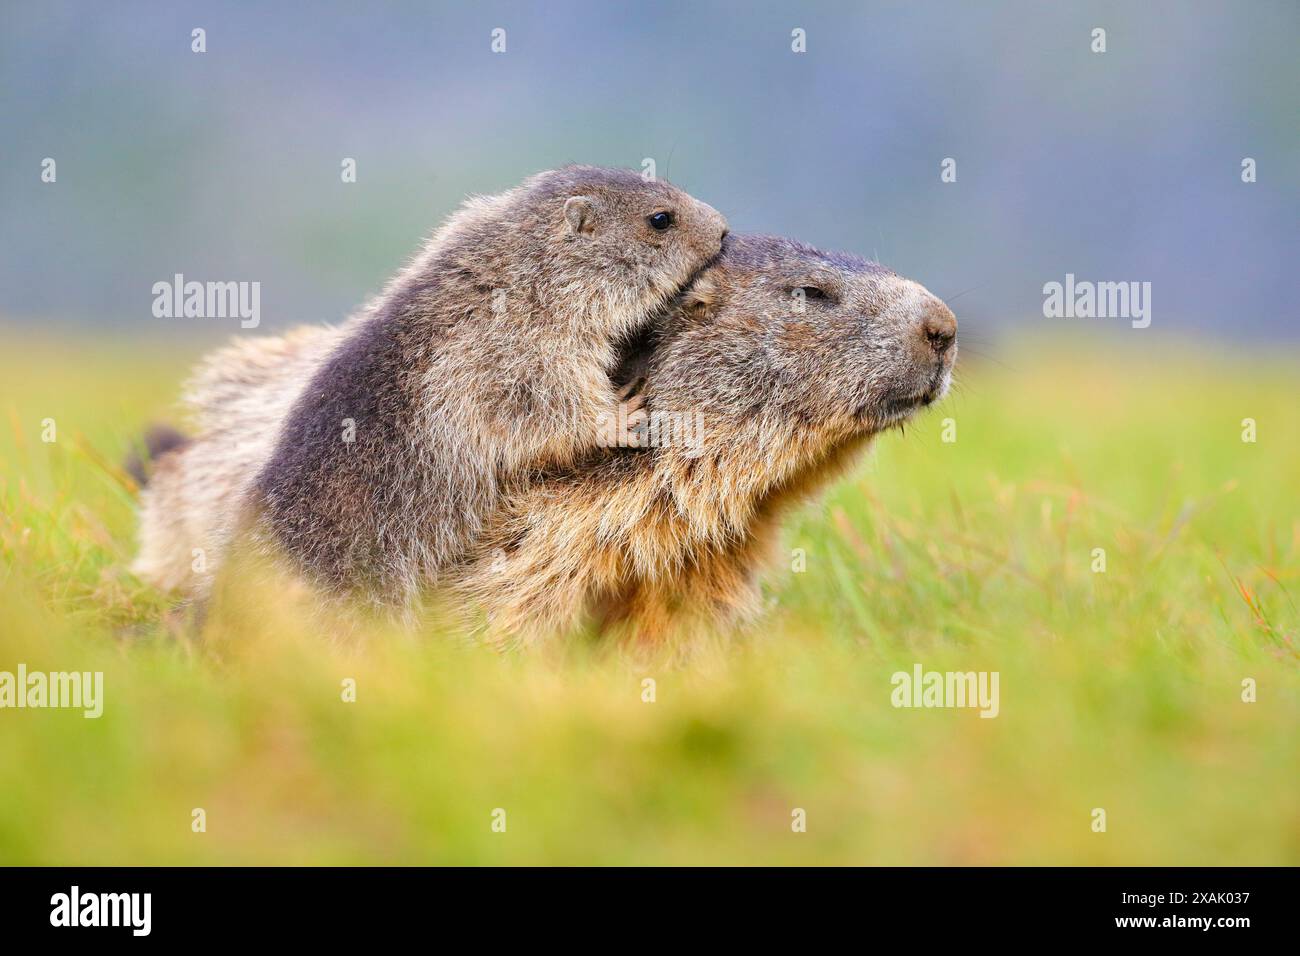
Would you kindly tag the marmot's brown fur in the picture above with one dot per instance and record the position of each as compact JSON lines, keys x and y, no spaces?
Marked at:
{"x":795,"y":358}
{"x":372,"y":453}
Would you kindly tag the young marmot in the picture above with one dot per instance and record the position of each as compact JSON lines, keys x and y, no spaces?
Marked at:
{"x":795,"y":359}
{"x":370,"y":454}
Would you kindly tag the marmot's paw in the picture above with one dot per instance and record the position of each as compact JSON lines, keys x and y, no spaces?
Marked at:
{"x":635,"y":423}
{"x":631,"y":389}
{"x":632,"y":414}
{"x":628,"y":424}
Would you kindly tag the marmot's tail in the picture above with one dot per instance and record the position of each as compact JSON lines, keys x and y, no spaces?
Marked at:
{"x":158,"y":441}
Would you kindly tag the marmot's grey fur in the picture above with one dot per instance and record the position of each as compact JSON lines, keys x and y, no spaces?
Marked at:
{"x":192,"y":506}
{"x":370,"y":454}
{"x":795,"y":358}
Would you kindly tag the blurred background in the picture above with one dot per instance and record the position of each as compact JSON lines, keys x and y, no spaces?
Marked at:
{"x":226,"y":165}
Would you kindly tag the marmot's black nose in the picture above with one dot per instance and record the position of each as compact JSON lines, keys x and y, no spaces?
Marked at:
{"x":940,"y":327}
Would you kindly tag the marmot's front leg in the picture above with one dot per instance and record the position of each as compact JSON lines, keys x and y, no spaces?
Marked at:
{"x":560,"y":415}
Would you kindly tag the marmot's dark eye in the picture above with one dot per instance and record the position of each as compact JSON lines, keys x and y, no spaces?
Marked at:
{"x":812,"y":292}
{"x":660,"y":220}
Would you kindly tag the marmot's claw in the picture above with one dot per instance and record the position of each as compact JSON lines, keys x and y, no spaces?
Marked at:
{"x":636,"y":423}
{"x":631,"y":389}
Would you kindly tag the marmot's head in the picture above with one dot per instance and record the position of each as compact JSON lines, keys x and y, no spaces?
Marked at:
{"x":630,"y":242}
{"x":778,"y":329}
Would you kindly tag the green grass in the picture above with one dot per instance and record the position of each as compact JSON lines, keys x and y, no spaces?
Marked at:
{"x":1119,"y":690}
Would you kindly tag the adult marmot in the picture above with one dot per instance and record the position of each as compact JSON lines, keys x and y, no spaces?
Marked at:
{"x":795,"y":359}
{"x":371,"y":454}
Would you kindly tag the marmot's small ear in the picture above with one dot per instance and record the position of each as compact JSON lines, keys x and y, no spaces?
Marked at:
{"x":580,"y":214}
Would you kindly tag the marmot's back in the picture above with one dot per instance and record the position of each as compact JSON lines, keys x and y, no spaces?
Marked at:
{"x":238,"y":396}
